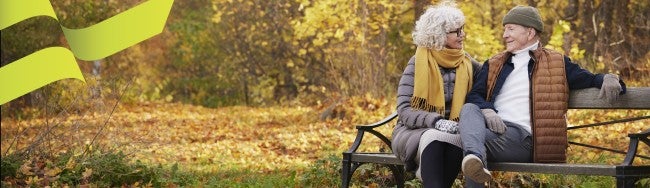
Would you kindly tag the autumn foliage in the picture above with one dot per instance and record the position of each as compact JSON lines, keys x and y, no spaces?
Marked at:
{"x":267,"y":93}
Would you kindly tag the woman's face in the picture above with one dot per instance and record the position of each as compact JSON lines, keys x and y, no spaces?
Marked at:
{"x":455,"y":38}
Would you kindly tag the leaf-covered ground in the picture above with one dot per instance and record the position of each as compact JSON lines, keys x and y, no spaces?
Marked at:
{"x":203,"y":140}
{"x":263,"y":139}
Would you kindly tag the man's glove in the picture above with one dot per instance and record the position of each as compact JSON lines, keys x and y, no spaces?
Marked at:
{"x":447,"y":126}
{"x":610,"y":88}
{"x":493,"y":121}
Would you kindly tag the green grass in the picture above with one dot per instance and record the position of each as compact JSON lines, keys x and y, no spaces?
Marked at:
{"x":248,"y":178}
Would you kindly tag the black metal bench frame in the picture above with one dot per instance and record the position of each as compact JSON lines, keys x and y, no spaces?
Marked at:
{"x":626,"y":174}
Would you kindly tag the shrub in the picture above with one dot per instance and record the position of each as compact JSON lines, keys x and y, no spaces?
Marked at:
{"x":9,"y":166}
{"x":324,"y":172}
{"x":101,"y":169}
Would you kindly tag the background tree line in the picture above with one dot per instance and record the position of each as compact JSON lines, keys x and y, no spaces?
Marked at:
{"x":304,"y":52}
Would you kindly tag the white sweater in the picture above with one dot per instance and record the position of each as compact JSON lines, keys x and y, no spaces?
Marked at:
{"x":513,"y":101}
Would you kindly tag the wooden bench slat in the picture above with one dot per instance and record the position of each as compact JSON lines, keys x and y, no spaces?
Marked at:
{"x":383,"y":158}
{"x":550,"y":168}
{"x":634,"y":98}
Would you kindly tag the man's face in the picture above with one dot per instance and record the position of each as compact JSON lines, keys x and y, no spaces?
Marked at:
{"x":517,"y":37}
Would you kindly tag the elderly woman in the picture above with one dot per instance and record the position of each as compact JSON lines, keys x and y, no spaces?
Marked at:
{"x":431,"y":92}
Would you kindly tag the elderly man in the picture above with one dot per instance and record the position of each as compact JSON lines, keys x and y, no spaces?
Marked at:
{"x":516,"y":109}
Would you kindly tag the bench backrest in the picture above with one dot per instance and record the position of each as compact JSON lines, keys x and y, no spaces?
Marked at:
{"x":634,"y":98}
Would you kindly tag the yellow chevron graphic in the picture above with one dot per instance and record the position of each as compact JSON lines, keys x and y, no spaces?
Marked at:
{"x":91,"y":43}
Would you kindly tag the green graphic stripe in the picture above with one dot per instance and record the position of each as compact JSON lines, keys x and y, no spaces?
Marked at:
{"x":94,"y":42}
{"x":120,"y":31}
{"x":100,"y":40}
{"x":37,"y":70}
{"x":14,"y":11}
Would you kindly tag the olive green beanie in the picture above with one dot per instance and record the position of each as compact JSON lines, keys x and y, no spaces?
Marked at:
{"x":525,"y":16}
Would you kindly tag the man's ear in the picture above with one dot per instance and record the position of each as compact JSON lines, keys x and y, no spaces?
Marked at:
{"x":531,"y":33}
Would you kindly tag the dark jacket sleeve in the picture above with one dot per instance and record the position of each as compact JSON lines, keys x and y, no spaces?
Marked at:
{"x":579,"y":78}
{"x":478,"y":93}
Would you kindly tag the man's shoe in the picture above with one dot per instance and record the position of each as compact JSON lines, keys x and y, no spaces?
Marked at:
{"x":473,"y":168}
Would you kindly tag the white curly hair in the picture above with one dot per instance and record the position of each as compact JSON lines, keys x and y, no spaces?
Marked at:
{"x":432,"y":27}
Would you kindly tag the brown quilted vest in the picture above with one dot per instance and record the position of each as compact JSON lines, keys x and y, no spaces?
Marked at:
{"x":549,"y":102}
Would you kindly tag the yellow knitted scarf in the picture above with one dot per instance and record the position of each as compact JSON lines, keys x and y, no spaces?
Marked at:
{"x":428,"y":92}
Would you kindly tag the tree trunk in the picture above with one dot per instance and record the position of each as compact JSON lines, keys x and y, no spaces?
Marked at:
{"x":605,"y":19}
{"x":588,"y":29}
{"x":420,"y":6}
{"x":571,"y":11}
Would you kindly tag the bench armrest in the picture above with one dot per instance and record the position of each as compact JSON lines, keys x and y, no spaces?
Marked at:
{"x":379,"y":123}
{"x":634,"y":144}
{"x":361,"y":129}
{"x":643,"y":134}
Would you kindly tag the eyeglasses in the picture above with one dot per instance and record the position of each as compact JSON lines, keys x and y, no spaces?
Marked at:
{"x":458,"y":31}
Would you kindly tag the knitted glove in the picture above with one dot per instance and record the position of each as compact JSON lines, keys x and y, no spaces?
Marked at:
{"x":447,"y":126}
{"x":493,"y":121}
{"x":610,"y":88}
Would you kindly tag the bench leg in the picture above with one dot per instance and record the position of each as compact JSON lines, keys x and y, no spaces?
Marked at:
{"x":398,"y":174}
{"x":625,"y":182}
{"x":346,"y":173}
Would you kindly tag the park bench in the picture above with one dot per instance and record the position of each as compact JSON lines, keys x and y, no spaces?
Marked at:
{"x":626,"y":173}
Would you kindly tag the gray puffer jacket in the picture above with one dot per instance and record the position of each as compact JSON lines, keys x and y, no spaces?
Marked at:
{"x":411,"y":123}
